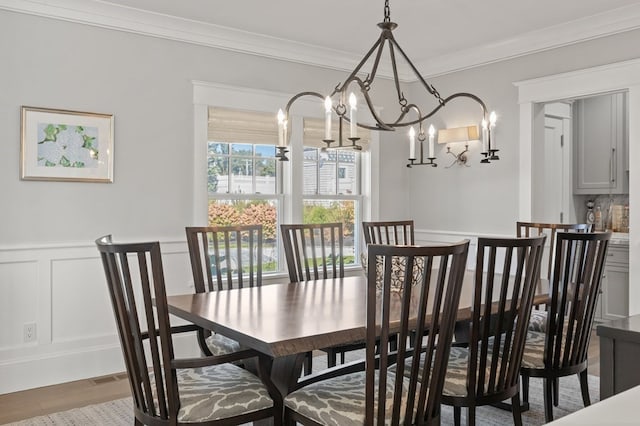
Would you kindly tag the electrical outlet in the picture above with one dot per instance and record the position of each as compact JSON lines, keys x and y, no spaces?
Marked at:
{"x":30,"y":332}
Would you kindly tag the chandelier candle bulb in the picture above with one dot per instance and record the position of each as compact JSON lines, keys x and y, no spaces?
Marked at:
{"x":492,"y":125}
{"x":327,"y":115}
{"x":353,"y":111}
{"x":432,"y":132}
{"x":412,"y":143}
{"x":484,"y":136}
{"x":281,"y":128}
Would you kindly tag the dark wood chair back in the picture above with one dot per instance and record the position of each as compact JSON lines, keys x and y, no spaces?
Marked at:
{"x":579,"y":258}
{"x":398,"y":232}
{"x":428,"y":303}
{"x":135,"y":278}
{"x":224,"y":257}
{"x":313,"y":251}
{"x":507,"y":270}
{"x":136,"y":286}
{"x":533,"y":229}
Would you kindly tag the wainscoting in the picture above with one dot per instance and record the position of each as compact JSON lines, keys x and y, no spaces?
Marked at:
{"x":62,"y":290}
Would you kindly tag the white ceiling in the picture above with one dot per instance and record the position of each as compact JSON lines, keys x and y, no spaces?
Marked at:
{"x":438,"y":35}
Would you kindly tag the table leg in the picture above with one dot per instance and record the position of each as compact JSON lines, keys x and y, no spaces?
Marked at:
{"x":285,"y":373}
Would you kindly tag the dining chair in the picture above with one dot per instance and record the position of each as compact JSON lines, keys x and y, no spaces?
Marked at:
{"x":487,"y":370}
{"x":538,"y":319}
{"x":562,"y":348}
{"x":399,"y":232}
{"x":368,"y":392}
{"x":222,"y":258}
{"x":167,"y":390}
{"x":313,"y":252}
{"x":532,"y":229}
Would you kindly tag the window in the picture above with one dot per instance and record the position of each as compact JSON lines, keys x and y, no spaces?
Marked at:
{"x":238,"y":184}
{"x":242,"y":176}
{"x":241,"y":168}
{"x":331,"y":187}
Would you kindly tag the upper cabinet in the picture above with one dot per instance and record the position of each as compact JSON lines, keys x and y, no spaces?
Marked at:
{"x":601,"y":159}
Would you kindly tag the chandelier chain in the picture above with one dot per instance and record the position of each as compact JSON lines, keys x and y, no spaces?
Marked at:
{"x":387,"y":11}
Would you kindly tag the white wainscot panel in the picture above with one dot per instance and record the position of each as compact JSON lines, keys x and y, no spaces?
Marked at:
{"x":80,"y":304}
{"x":19,"y":297}
{"x":177,"y":272}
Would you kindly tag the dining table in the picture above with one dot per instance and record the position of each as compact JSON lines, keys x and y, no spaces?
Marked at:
{"x":285,"y":321}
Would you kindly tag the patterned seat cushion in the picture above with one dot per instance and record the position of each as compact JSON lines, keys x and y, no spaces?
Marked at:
{"x":221,"y":345}
{"x":398,"y":267}
{"x":455,"y":383}
{"x":218,"y":392}
{"x":338,"y":401}
{"x":534,"y":350}
{"x":538,"y":321}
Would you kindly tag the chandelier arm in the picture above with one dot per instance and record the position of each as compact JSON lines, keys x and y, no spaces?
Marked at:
{"x":427,"y":86}
{"x":436,"y":109}
{"x":380,"y":124}
{"x":360,"y":65}
{"x":404,"y":112}
{"x":374,"y":68}
{"x":401,"y":99}
{"x":299,"y":95}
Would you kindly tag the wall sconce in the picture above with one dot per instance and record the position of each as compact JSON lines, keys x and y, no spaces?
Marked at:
{"x":458,"y":134}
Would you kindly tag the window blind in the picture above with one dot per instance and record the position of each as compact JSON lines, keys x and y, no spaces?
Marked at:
{"x":237,"y":126}
{"x":314,"y":134}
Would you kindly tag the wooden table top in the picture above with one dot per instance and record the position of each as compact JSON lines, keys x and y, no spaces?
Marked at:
{"x":292,"y":318}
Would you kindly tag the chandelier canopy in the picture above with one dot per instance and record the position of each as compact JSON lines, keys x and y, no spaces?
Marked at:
{"x":408,"y":114}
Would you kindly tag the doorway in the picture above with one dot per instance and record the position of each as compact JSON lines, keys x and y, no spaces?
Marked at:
{"x":552,"y":201}
{"x":534,"y":94}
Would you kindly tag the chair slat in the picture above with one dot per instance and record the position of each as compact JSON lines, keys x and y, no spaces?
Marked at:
{"x":313,"y":251}
{"x":214,"y":248}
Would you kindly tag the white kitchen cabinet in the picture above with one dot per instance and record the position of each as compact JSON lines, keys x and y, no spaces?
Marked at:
{"x":600,"y":160}
{"x":614,"y":300}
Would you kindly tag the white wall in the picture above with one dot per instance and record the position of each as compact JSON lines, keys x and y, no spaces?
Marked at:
{"x":50,"y":271}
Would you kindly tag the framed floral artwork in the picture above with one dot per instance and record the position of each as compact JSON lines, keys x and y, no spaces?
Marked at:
{"x":60,"y":145}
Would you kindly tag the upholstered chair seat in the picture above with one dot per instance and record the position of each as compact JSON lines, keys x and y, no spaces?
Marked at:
{"x":222,"y":345}
{"x":219,"y":392}
{"x":538,"y":321}
{"x":533,"y":356}
{"x":339,"y":401}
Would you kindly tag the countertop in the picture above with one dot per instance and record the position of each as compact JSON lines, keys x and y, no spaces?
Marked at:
{"x":620,"y":239}
{"x":620,"y":409}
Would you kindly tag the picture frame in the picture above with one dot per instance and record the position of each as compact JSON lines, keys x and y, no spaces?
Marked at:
{"x":62,"y":145}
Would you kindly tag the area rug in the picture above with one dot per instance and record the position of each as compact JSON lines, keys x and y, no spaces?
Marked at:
{"x":119,"y":412}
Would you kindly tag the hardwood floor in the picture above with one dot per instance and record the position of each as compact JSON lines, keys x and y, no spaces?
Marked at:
{"x":51,"y":399}
{"x":36,"y":402}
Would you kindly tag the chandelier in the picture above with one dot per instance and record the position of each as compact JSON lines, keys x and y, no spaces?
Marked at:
{"x":408,"y":113}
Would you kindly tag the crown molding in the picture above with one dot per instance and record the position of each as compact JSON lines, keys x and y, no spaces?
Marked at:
{"x":137,"y":21}
{"x":121,"y":18}
{"x":608,"y":23}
